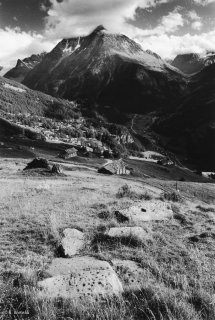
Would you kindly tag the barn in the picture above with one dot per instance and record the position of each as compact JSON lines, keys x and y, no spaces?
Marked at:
{"x":68,"y":153}
{"x":115,"y":167}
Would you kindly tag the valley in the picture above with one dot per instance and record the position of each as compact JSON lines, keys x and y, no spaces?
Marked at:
{"x":107,"y":211}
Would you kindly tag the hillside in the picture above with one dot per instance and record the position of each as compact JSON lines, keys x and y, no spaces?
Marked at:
{"x":108,"y":69}
{"x":17,"y":98}
{"x":191,"y":129}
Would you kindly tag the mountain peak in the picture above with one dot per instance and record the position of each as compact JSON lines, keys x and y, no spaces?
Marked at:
{"x":98,"y":29}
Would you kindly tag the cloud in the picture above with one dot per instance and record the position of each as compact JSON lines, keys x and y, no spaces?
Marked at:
{"x":74,"y":17}
{"x":193,"y":15}
{"x":197,"y":25}
{"x":168,"y":46}
{"x":204,"y":2}
{"x":172,"y":22}
{"x":20,"y":44}
{"x":67,"y":18}
{"x":196,"y":22}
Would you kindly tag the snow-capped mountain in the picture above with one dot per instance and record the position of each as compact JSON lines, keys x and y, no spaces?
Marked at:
{"x":109,"y":69}
{"x":191,"y":63}
{"x":22,"y":68}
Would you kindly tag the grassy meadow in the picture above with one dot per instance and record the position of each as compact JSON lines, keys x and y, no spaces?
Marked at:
{"x":177,"y":260}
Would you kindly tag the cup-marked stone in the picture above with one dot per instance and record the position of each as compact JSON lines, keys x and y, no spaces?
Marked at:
{"x":80,"y":277}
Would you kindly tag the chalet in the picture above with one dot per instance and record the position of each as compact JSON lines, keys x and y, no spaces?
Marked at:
{"x":115,"y":167}
{"x":69,"y":153}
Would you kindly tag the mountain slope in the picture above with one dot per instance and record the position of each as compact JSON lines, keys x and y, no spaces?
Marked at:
{"x":23,"y":67}
{"x":17,"y":98}
{"x":192,"y":62}
{"x":191,"y":129}
{"x":109,"y":69}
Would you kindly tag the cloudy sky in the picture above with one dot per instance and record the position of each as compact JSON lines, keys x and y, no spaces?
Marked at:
{"x":167,"y":27}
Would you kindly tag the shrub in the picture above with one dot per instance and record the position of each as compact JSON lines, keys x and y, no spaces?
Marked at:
{"x":105,"y":214}
{"x":203,"y":209}
{"x":101,"y":239}
{"x":126,"y":192}
{"x":171,"y":196}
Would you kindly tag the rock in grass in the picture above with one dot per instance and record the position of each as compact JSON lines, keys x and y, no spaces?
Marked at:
{"x":155,"y":210}
{"x":72,"y":242}
{"x":38,"y":163}
{"x":132,"y":275}
{"x":79,"y":278}
{"x":56,"y":169}
{"x":120,"y":217}
{"x":137,"y":233}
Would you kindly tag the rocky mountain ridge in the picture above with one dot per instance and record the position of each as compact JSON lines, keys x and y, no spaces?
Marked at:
{"x":23,"y":67}
{"x":192,"y":62}
{"x":108,"y":69}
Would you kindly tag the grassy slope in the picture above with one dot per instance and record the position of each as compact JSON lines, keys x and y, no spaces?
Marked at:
{"x":27,"y":101}
{"x":178,"y":273}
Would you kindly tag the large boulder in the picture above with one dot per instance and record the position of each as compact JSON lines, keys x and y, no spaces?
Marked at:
{"x":149,"y":211}
{"x":80,"y":277}
{"x":38,"y":163}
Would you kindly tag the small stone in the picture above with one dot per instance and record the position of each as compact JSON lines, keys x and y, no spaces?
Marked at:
{"x":137,"y":232}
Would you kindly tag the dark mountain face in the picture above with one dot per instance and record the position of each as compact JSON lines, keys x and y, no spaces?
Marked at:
{"x":109,"y":69}
{"x":191,"y":129}
{"x":191,"y":63}
{"x":23,"y":67}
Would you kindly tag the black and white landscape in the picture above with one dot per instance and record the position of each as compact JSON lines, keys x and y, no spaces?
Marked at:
{"x":107,"y":160}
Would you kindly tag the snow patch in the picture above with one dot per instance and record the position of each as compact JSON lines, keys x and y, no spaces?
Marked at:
{"x":8,"y":86}
{"x":68,"y":49}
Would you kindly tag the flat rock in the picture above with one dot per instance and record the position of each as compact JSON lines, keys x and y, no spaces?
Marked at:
{"x":149,"y":211}
{"x":72,"y":242}
{"x":136,"y":232}
{"x":80,"y":277}
{"x":130,"y":272}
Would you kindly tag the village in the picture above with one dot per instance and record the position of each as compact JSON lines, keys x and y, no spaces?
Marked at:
{"x":84,"y":140}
